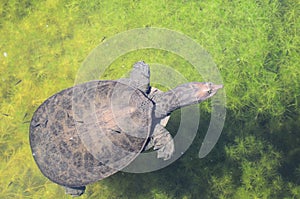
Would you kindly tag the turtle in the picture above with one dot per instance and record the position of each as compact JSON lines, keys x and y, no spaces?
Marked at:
{"x":92,"y":130}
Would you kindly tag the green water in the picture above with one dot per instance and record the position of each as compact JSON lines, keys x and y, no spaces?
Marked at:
{"x":255,"y":45}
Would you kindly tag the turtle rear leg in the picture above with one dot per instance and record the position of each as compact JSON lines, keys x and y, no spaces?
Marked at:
{"x":75,"y":191}
{"x":162,"y":141}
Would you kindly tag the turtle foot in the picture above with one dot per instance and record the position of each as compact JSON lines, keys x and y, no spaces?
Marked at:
{"x":163,"y":143}
{"x":166,"y":151}
{"x":75,"y":191}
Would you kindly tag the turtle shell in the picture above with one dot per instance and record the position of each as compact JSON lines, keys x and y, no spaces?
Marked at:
{"x":90,"y":131}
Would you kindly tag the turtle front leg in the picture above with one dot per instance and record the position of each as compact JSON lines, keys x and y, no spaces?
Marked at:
{"x":162,"y":142}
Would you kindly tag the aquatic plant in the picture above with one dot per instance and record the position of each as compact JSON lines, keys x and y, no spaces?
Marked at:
{"x":255,"y":45}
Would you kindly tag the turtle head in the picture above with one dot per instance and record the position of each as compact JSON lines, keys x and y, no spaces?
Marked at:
{"x":196,"y":92}
{"x":184,"y":95}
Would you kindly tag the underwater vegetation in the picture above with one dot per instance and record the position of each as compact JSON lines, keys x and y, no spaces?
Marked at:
{"x":255,"y":45}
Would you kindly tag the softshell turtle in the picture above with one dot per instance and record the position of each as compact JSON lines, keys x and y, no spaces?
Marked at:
{"x":90,"y":131}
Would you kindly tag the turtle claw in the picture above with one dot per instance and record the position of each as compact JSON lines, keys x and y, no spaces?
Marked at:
{"x":75,"y":191}
{"x":166,"y":151}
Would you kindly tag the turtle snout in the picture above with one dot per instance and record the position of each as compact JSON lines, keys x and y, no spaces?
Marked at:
{"x":207,"y":89}
{"x":216,"y":87}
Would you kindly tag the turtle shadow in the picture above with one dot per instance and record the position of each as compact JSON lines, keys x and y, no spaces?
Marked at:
{"x":174,"y":181}
{"x":190,"y":176}
{"x":285,"y":137}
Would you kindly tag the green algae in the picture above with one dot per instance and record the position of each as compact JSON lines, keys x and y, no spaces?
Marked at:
{"x":255,"y":45}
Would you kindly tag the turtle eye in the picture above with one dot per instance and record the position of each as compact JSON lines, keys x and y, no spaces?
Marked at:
{"x":210,"y":89}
